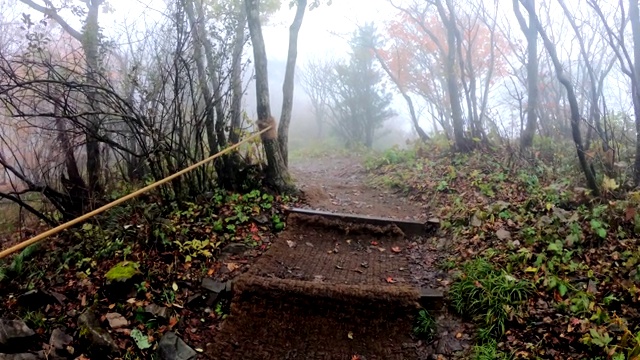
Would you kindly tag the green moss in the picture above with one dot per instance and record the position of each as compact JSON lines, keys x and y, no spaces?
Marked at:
{"x":122,"y":271}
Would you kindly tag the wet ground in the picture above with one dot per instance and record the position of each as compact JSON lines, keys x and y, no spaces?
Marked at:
{"x":339,"y":184}
{"x":324,"y":292}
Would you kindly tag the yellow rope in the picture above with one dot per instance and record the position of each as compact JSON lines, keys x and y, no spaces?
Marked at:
{"x":119,"y":201}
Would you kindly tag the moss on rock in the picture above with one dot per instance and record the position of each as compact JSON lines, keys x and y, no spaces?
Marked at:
{"x":123,"y":271}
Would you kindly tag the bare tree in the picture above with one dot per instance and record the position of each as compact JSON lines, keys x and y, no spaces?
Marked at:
{"x":287,"y":86}
{"x":571,"y":96}
{"x":278,"y":173}
{"x":315,"y":84}
{"x":531,"y":32}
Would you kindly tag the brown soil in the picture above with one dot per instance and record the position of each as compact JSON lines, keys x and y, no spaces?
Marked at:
{"x":320,"y":294}
{"x":331,"y":290}
{"x":339,"y":184}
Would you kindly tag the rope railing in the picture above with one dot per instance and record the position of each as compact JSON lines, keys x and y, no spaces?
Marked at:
{"x":59,"y":228}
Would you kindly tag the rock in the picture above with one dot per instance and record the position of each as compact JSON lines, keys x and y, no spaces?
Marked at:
{"x":157,"y":311}
{"x":234,"y":249}
{"x":475,"y":221}
{"x":59,"y":339}
{"x":90,"y":328}
{"x":503,"y":234}
{"x":36,"y":299}
{"x":215,"y":288}
{"x":261,"y":219}
{"x":121,"y":280}
{"x":14,"y":333}
{"x":212,"y":285}
{"x":195,"y":300}
{"x":123,"y":271}
{"x":116,"y":321}
{"x":171,"y":347}
{"x":23,"y":356}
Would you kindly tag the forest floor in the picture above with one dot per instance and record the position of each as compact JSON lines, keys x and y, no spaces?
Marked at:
{"x":532,"y":266}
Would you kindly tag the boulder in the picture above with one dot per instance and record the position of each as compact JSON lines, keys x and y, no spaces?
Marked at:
{"x":22,"y":356}
{"x":121,"y":280}
{"x":15,"y":335}
{"x":171,"y":347}
{"x":59,"y":339}
{"x":90,"y":329}
{"x":157,"y":311}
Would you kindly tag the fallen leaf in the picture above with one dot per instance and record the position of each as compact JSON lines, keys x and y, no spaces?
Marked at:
{"x":173,"y":321}
{"x":630,"y":213}
{"x":116,"y":320}
{"x":390,"y":280}
{"x":232,"y":266}
{"x":291,"y":243}
{"x":142,"y":340}
{"x":374,"y":243}
{"x":350,"y":335}
{"x":174,"y":286}
{"x":381,"y":249}
{"x":396,"y":249}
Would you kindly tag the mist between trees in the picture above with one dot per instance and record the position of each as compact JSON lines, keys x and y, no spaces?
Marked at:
{"x":83,"y":114}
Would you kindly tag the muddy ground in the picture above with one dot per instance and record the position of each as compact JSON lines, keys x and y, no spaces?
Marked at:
{"x":333,"y":290}
{"x":339,"y":184}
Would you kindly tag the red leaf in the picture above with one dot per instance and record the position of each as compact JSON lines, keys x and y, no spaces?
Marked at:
{"x":390,"y":280}
{"x":629,"y":213}
{"x":173,"y":321}
{"x":374,"y":243}
{"x":396,"y":249}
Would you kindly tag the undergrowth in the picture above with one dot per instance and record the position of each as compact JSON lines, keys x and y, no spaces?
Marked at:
{"x":490,"y":296}
{"x":546,"y":270}
{"x":425,"y":327}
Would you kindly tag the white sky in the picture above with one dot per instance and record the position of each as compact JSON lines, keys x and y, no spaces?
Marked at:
{"x":323,"y":34}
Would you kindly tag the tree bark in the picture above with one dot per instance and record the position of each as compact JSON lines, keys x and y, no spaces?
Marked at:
{"x":531,"y":32}
{"x":277,"y":172}
{"x":236,"y":77}
{"x":461,"y":142}
{"x":288,"y":85}
{"x":634,"y":17}
{"x":203,"y":83}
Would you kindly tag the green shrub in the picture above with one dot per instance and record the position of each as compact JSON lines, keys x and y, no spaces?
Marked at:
{"x":488,"y":295}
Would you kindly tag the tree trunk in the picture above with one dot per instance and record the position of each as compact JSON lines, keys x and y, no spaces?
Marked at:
{"x":531,"y":32}
{"x":287,"y":86}
{"x":236,"y":78}
{"x":203,"y":83}
{"x":634,"y":16}
{"x":573,"y":102}
{"x":90,"y":44}
{"x":414,"y":119}
{"x":461,"y":142}
{"x":277,"y":172}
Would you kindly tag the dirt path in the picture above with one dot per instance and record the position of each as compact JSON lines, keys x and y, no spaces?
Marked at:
{"x":339,"y":184}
